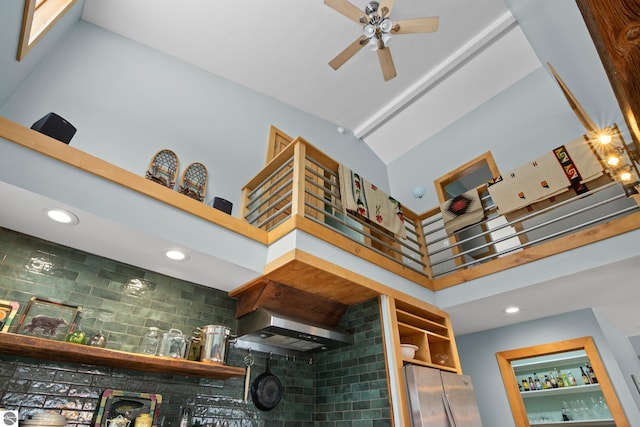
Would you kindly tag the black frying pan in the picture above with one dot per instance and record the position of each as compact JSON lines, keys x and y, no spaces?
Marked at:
{"x":266,"y":390}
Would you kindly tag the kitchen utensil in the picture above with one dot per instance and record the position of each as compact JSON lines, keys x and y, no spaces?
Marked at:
{"x":248,"y":361}
{"x":408,"y":351}
{"x":266,"y":390}
{"x":214,"y":343}
{"x":118,"y":421}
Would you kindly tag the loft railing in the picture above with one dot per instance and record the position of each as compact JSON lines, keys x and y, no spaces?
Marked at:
{"x":299,"y":189}
{"x":302,"y":181}
{"x":497,"y":236}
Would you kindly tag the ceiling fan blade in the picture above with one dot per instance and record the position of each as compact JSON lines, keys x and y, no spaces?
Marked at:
{"x":346,"y":54}
{"x":386,"y":62}
{"x":388,"y":4}
{"x":347,"y":9}
{"x":418,"y":25}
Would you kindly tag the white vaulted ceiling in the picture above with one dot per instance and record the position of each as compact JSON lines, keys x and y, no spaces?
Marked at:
{"x":282,"y":49}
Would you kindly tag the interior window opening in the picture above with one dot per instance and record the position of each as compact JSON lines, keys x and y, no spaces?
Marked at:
{"x":474,"y":175}
{"x":38,"y":18}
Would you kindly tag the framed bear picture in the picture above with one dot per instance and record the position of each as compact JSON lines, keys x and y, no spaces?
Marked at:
{"x":47,"y":319}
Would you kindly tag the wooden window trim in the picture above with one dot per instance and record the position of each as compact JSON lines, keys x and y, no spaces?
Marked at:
{"x":36,"y":22}
{"x":463,"y":170}
{"x":467,"y":168}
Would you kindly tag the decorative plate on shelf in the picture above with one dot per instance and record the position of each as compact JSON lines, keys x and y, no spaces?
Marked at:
{"x":8,"y":310}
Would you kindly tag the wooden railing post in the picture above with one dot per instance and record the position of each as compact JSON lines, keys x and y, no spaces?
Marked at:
{"x":244,"y":208}
{"x":297,"y":195}
{"x":422,"y":246}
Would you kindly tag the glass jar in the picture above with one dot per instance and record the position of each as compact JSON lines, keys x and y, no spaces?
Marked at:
{"x":100,"y":339}
{"x":151,"y":341}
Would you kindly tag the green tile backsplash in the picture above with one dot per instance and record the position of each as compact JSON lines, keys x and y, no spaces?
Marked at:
{"x":351,"y":383}
{"x":344,"y":387}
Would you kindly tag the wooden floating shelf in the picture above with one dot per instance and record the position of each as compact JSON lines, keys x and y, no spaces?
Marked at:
{"x":40,"y":348}
{"x":430,"y":365}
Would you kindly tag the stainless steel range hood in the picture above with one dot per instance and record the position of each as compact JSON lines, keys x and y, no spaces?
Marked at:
{"x":264,"y":330}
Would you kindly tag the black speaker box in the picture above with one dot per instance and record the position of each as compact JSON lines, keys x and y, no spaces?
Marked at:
{"x":56,"y":127}
{"x":222,"y":204}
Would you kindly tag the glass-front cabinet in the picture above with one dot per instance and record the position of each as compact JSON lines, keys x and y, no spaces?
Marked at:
{"x":562,"y":383}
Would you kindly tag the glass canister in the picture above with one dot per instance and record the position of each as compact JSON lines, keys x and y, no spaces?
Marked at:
{"x":173,"y":344}
{"x":151,"y":342}
{"x":214,"y":343}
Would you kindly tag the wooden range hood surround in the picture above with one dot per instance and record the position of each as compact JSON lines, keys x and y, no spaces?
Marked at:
{"x":289,"y":301}
{"x":306,"y":287}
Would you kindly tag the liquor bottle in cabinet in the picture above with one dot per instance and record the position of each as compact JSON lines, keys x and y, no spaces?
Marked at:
{"x":575,"y":398}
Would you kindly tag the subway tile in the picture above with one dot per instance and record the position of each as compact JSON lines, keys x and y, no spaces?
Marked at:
{"x":113,"y":276}
{"x":106,"y":294}
{"x":48,"y":388}
{"x":73,"y":378}
{"x":16,"y":400}
{"x":129,"y":271}
{"x":170,"y":302}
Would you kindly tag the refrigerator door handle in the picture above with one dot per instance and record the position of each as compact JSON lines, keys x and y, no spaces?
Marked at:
{"x":447,"y":408}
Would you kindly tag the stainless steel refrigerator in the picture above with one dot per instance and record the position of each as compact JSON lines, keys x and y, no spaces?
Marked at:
{"x":440,"y":399}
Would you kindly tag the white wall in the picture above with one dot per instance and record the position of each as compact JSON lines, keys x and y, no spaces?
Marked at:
{"x":13,"y":72}
{"x":477,"y":357}
{"x":623,"y":352}
{"x":129,"y":101}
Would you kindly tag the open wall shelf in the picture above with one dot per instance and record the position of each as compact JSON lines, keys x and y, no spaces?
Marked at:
{"x":40,"y":348}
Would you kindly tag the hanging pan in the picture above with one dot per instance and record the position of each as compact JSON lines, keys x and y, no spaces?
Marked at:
{"x":266,"y":390}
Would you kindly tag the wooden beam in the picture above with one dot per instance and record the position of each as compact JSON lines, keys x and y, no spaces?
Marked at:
{"x":614,"y":26}
{"x":582,"y":115}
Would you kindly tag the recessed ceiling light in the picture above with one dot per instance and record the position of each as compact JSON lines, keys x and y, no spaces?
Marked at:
{"x":511,"y":310}
{"x":62,"y":216}
{"x":176,"y":255}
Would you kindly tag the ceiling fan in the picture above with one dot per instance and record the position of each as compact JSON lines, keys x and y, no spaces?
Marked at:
{"x":377,"y":30}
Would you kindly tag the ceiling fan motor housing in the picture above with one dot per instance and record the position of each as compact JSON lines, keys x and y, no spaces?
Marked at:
{"x":371,"y":8}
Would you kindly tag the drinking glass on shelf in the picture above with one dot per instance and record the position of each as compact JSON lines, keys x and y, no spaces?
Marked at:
{"x":100,"y":339}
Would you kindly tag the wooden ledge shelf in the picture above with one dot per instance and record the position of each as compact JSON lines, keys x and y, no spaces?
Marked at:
{"x":90,"y":164}
{"x":40,"y":348}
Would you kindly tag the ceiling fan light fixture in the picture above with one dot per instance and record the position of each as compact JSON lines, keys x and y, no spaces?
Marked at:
{"x":386,"y":25}
{"x":373,"y":44}
{"x":369,"y":31}
{"x":386,"y":38}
